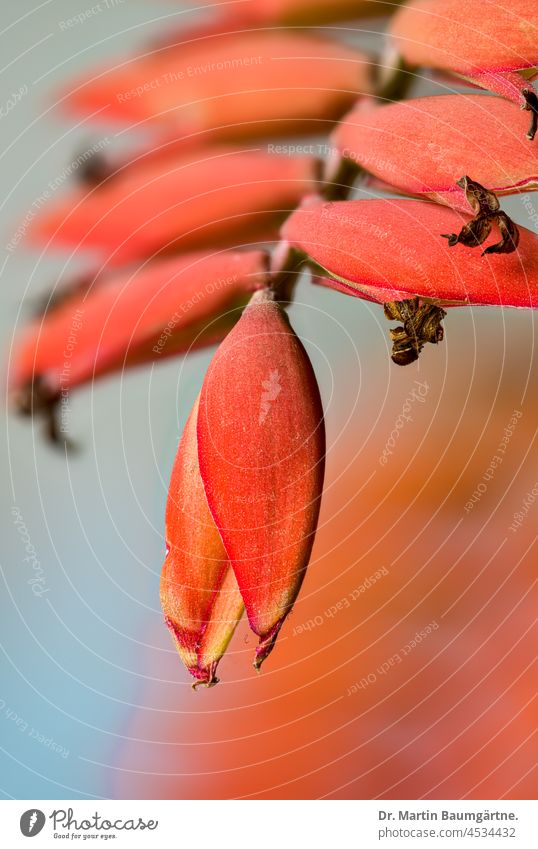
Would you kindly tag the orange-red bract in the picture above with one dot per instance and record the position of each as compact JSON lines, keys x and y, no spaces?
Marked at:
{"x":235,"y":84}
{"x":162,"y":309}
{"x":388,"y":250}
{"x":491,"y":45}
{"x":220,"y":197}
{"x":467,"y":38}
{"x":261,"y":445}
{"x":199,"y":594}
{"x":424,"y":146}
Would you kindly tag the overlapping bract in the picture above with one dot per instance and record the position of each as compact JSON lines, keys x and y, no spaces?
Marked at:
{"x":254,"y":447}
{"x":468,"y":38}
{"x":423,"y":146}
{"x":199,"y":594}
{"x":388,"y":250}
{"x":261,"y":444}
{"x":488,"y":43}
{"x":219,"y":197}
{"x":236,"y":85}
{"x":164,"y":308}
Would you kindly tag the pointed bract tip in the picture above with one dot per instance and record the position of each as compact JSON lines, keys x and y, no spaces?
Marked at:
{"x":266,"y":645}
{"x":205,"y":677}
{"x":187,"y":649}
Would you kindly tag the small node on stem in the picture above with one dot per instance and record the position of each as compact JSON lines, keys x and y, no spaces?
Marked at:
{"x":394,"y":77}
{"x":95,"y":170}
{"x":286,"y":265}
{"x":60,"y":294}
{"x":486,"y":206}
{"x":36,"y":397}
{"x":421,"y":324}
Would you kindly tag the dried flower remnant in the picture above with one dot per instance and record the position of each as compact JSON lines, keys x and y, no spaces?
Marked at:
{"x":531,"y":106}
{"x":486,"y":207}
{"x":36,"y":398}
{"x":421,"y":324}
{"x":96,"y":169}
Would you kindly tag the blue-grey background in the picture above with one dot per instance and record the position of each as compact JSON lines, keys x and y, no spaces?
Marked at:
{"x":89,"y":654}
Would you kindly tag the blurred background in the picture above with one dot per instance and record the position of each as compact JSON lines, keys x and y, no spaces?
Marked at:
{"x":408,"y":666}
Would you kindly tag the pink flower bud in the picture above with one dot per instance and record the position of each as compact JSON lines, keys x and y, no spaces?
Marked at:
{"x":261,"y":446}
{"x":199,"y":594}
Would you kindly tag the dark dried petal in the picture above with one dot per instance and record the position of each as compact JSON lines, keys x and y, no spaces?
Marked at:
{"x":472,"y":234}
{"x":480,"y":199}
{"x":426,"y":324}
{"x":401,"y":310}
{"x":531,"y":101}
{"x":509,"y":233}
{"x":452,"y":238}
{"x":405,"y":350}
{"x":422,"y":324}
{"x":487,"y":208}
{"x":35,"y":396}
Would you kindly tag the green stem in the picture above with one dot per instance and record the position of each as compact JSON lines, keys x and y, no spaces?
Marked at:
{"x":285,"y":272}
{"x":395,"y":79}
{"x":339,"y":178}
